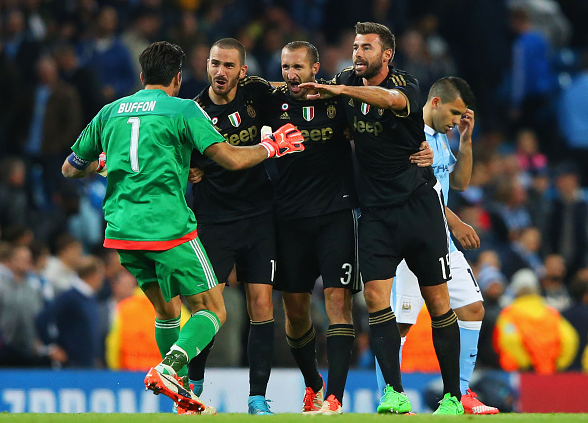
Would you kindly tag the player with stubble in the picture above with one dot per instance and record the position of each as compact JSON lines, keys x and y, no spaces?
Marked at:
{"x":403,"y":214}
{"x":235,"y":209}
{"x":316,"y":227}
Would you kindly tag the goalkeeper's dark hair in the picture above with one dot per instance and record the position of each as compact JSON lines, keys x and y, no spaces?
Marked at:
{"x":448,"y":89}
{"x":311,"y":50}
{"x":387,"y":39}
{"x":161,"y":62}
{"x":232,"y":43}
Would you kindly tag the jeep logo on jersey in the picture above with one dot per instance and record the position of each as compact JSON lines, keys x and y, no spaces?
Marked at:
{"x":244,"y":137}
{"x":365,"y":108}
{"x":235,"y":119}
{"x":316,"y":134}
{"x":308,"y":113}
{"x":361,"y":126}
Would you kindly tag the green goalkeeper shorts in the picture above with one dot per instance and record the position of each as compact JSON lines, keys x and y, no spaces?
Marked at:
{"x":182,"y":270}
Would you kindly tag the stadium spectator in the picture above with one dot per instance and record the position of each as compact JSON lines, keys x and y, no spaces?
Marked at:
{"x":21,"y":299}
{"x":195,"y":78}
{"x":531,"y":78}
{"x":108,"y":57}
{"x":82,"y":77}
{"x":142,"y":31}
{"x":14,"y":202}
{"x":577,"y":315}
{"x":566,"y":230}
{"x":69,"y":322}
{"x":60,"y":271}
{"x":529,"y":335}
{"x":492,"y":284}
{"x":56,"y":120}
{"x":530,"y":160}
{"x":573,"y":118}
{"x":523,"y":253}
{"x":553,"y":283}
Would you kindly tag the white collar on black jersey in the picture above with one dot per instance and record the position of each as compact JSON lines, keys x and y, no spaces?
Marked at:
{"x":429,"y":131}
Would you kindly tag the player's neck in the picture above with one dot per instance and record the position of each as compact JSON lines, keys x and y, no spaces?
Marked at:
{"x":169,"y":90}
{"x":428,"y":115}
{"x":222,"y":99}
{"x":378,"y":78}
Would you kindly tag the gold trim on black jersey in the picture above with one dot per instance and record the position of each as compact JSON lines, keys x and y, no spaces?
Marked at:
{"x":405,"y":112}
{"x":250,"y":79}
{"x":200,"y":102}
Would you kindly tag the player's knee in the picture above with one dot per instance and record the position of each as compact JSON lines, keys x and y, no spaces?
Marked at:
{"x":338,"y":306}
{"x":374,"y":299}
{"x":475,"y":311}
{"x":298,"y":317}
{"x":221,"y":313}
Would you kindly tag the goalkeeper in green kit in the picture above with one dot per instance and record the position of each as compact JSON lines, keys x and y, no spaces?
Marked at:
{"x":147,"y":139}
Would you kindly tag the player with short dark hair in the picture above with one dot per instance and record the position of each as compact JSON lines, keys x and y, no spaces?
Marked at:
{"x":316,"y":227}
{"x":449,"y":105}
{"x":402,"y":209}
{"x":148,"y":138}
{"x":235,"y":209}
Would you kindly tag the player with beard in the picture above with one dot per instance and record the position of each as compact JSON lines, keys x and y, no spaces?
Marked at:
{"x":234,"y":210}
{"x":316,"y":227}
{"x":402,"y":209}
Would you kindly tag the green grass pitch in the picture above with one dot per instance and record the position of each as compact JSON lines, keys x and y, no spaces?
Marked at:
{"x":285,"y":418}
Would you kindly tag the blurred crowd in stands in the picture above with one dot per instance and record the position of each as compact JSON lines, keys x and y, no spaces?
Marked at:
{"x":66,"y":302}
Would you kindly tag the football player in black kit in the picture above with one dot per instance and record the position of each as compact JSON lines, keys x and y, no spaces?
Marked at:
{"x":316,"y":226}
{"x":402,"y":209}
{"x":235,"y":210}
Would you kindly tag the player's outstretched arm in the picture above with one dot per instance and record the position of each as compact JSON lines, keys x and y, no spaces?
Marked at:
{"x":465,"y":234}
{"x":286,"y":140}
{"x":75,"y":167}
{"x":380,"y":97}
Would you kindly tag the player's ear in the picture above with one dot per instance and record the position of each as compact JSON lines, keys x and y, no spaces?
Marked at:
{"x":436,"y":102}
{"x":388,"y":55}
{"x":142,"y":78}
{"x":315,"y":68}
{"x":243,"y":71}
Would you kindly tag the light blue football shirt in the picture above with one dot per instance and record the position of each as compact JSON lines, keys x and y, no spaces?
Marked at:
{"x":443,"y":164}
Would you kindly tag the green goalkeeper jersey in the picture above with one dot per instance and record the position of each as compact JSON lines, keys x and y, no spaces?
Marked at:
{"x":148,"y":138}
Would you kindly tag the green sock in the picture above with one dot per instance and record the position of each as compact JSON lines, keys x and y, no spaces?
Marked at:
{"x":198,"y":332}
{"x":166,"y":334}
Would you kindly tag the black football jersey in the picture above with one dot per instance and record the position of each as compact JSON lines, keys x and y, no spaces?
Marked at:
{"x":318,"y":180}
{"x":384,"y":141}
{"x":225,"y":195}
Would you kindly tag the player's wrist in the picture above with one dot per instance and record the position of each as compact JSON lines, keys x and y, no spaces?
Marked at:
{"x":268,"y":144}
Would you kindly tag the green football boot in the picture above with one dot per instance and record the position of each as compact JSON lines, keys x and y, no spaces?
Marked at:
{"x":394,"y":402}
{"x":449,"y":406}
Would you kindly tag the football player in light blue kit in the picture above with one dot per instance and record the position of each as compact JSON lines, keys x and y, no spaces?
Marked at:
{"x":448,"y":107}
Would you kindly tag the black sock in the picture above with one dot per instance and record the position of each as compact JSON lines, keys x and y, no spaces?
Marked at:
{"x":339,"y":345}
{"x":446,"y":342}
{"x":197,"y":364}
{"x":260,"y":350}
{"x":386,"y":344}
{"x":304,"y":352}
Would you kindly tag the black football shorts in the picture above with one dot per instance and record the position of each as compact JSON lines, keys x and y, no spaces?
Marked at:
{"x":318,"y":246}
{"x":415,"y":231}
{"x":247,"y":243}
